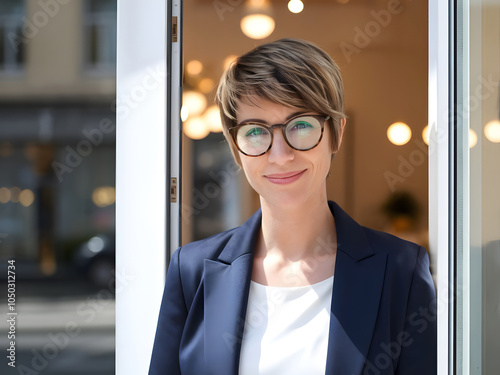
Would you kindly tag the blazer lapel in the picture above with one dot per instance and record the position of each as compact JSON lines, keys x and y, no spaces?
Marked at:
{"x":227,"y":283}
{"x":359,"y":276}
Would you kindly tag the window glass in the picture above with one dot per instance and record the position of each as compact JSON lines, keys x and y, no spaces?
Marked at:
{"x":57,"y":191}
{"x":12,"y":40}
{"x":100,"y":36}
{"x":485,"y":185}
{"x":478,"y":199}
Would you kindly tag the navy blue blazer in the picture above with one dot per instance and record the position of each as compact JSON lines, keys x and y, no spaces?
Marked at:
{"x":383,"y":312}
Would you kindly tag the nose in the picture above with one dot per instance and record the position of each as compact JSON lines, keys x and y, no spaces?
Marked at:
{"x":280,"y":151}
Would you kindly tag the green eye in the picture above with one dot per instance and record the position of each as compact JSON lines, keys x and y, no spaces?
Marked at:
{"x":302,"y":125}
{"x":301,"y":128}
{"x":255,"y":132}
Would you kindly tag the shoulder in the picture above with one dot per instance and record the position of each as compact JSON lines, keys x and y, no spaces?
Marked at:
{"x":188,"y":262}
{"x":395,"y":247}
{"x":405,"y":260}
{"x":361,"y":242}
{"x":185,"y":271}
{"x":225,"y":246}
{"x":194,"y":253}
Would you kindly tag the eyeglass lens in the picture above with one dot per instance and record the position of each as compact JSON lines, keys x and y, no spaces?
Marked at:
{"x":302,"y":133}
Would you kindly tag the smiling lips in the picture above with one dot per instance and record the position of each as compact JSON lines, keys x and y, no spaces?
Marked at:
{"x":284,"y":178}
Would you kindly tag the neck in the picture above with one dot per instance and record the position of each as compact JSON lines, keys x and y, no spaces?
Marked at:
{"x":297,"y":232}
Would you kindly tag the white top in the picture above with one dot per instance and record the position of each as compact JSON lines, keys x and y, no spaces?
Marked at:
{"x":286,"y":329}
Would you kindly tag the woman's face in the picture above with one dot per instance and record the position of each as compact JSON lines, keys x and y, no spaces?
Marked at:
{"x":284,"y":176}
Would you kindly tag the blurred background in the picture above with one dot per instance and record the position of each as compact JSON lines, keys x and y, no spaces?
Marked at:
{"x":381,"y":48}
{"x":57,"y":178}
{"x":57,"y":145}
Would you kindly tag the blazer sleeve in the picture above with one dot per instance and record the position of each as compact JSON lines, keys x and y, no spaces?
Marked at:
{"x":418,"y":342}
{"x":171,"y":321}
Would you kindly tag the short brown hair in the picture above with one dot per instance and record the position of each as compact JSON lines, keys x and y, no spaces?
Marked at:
{"x":291,"y":72}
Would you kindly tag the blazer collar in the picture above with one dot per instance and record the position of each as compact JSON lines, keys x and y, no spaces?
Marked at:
{"x":359,"y":275}
{"x":351,"y":238}
{"x":243,"y":240}
{"x":357,"y":289}
{"x":227,"y":283}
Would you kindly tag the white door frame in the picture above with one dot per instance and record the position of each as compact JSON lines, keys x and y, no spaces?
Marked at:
{"x":440,"y":79}
{"x":147,"y":156}
{"x":147,"y":223}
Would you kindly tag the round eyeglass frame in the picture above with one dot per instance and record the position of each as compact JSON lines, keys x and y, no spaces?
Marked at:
{"x":234,"y":132}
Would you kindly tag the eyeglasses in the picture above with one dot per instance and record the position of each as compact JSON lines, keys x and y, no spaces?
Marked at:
{"x":301,"y":133}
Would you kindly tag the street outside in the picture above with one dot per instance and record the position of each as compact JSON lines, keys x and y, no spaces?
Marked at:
{"x":61,"y":328}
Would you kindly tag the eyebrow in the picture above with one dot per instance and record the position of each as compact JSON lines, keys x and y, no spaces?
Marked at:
{"x":265,"y":122}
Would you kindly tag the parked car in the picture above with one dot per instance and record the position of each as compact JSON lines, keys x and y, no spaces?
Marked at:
{"x":95,"y":258}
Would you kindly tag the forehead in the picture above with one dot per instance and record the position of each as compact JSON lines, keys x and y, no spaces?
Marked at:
{"x":257,"y":108}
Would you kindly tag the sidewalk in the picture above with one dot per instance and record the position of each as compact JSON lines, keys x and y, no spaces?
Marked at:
{"x":62,"y":327}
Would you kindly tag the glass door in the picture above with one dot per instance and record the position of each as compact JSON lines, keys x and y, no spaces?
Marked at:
{"x":476,"y":187}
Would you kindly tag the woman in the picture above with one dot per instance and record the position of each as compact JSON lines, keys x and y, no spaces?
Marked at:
{"x":300,"y":288}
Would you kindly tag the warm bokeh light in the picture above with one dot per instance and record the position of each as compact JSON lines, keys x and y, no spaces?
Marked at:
{"x":229,"y":60}
{"x":206,"y":85}
{"x":257,"y":26}
{"x":492,"y":131}
{"x":295,"y":6}
{"x":399,"y":133}
{"x":184,"y":113}
{"x":194,"y":67}
{"x":4,"y":195}
{"x":212,"y":119}
{"x":103,"y":196}
{"x":26,"y":197}
{"x":194,"y":102}
{"x":425,"y":135}
{"x":472,"y":138}
{"x":195,"y":128}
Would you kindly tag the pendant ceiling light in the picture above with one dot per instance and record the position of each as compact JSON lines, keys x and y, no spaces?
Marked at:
{"x":399,"y":133}
{"x":257,"y":23}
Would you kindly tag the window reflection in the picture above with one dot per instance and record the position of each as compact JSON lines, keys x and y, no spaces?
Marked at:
{"x":57,"y":168}
{"x":12,"y":40}
{"x":100,"y":36}
{"x":478,"y":260}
